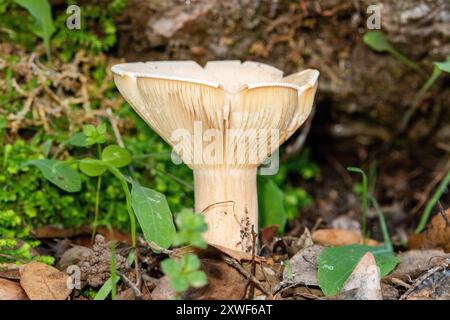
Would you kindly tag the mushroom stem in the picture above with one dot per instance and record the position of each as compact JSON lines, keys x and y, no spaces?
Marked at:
{"x":228,"y":199}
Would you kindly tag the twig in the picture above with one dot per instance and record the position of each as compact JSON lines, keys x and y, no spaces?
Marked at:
{"x":136,"y":267}
{"x":137,"y":293}
{"x":113,"y":122}
{"x":251,"y":292}
{"x":400,"y":282}
{"x":155,"y":247}
{"x":232,"y":262}
{"x":7,"y":256}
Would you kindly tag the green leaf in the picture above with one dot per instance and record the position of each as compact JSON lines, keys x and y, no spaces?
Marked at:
{"x":79,"y":140}
{"x":197,"y":279}
{"x":337,"y":263}
{"x":153,"y":214}
{"x":101,"y":129}
{"x":46,"y":147}
{"x":191,"y":227}
{"x":92,"y":167}
{"x":117,"y":156}
{"x":271,"y":200}
{"x":179,"y":284}
{"x":376,"y":40}
{"x":190,"y":262}
{"x":42,"y":13}
{"x":444,"y":66}
{"x":105,"y":290}
{"x":89,"y":130}
{"x":171,"y":267}
{"x":59,"y":173}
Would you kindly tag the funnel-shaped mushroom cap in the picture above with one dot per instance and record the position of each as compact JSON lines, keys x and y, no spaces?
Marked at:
{"x":224,"y":100}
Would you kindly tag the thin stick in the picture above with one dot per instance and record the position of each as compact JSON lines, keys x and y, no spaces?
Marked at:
{"x":137,"y":293}
{"x":251,"y":292}
{"x":113,"y":122}
{"x":232,"y":262}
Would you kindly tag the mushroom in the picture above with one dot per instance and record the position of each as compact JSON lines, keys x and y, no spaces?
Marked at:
{"x":223,"y":121}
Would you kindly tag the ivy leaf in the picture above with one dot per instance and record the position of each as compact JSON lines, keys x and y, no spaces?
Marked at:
{"x":42,"y":13}
{"x":92,"y":167}
{"x":117,"y":156}
{"x":271,"y":199}
{"x":337,"y":263}
{"x":59,"y":173}
{"x":376,"y":40}
{"x":153,"y":214}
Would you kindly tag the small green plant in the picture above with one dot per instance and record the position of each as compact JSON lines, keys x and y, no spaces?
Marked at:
{"x":149,"y":206}
{"x":97,"y":32}
{"x":364,"y":201}
{"x":185,"y":272}
{"x":432,"y":203}
{"x":190,"y":229}
{"x":377,"y":41}
{"x":43,"y":25}
{"x":277,"y":205}
{"x":336,"y":264}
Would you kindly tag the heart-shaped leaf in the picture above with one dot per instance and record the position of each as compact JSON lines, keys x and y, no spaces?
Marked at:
{"x":117,"y":156}
{"x":92,"y":167}
{"x":59,"y":173}
{"x":337,"y":263}
{"x":153,"y":214}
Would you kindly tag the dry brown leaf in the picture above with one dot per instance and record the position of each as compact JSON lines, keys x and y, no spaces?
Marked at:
{"x":339,"y":237}
{"x":11,"y":274}
{"x":303,"y":267}
{"x":11,"y":290}
{"x":414,"y":262}
{"x":436,"y":236}
{"x":268,"y":234}
{"x":163,"y":290}
{"x":42,"y":282}
{"x":431,"y":285}
{"x":364,"y":282}
{"x":224,"y":282}
{"x":389,"y":292}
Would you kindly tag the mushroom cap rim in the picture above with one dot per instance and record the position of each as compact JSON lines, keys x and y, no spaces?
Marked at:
{"x":117,"y":70}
